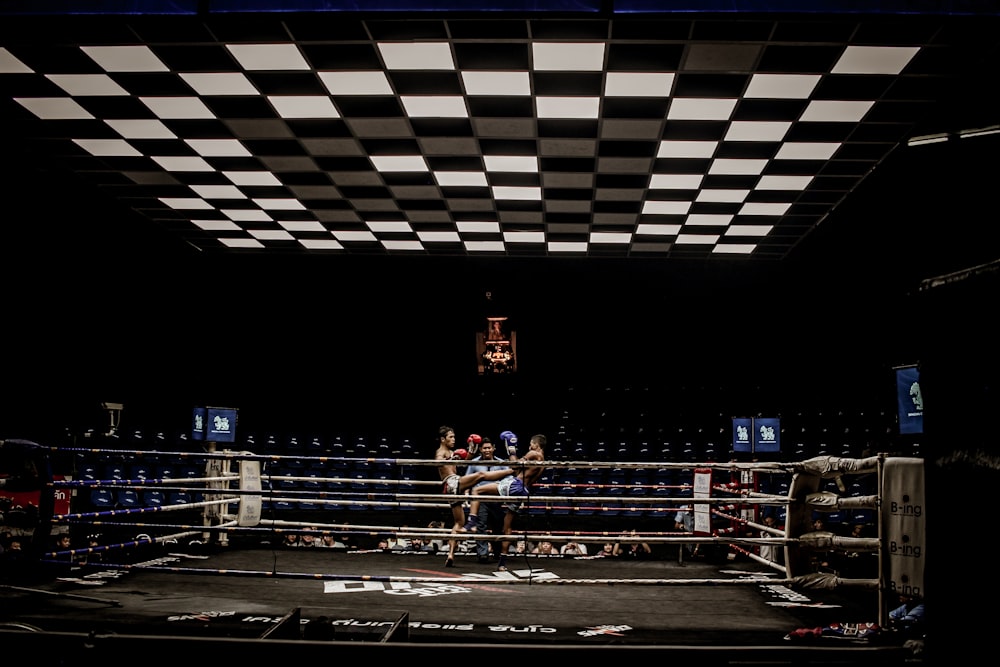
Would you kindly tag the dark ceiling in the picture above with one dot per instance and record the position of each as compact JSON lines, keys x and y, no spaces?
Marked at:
{"x":174,"y":230}
{"x":707,"y":137}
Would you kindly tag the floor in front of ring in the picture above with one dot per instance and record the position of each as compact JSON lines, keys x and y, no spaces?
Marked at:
{"x":245,"y":592}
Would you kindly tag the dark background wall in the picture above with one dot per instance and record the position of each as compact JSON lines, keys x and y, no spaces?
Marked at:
{"x":103,"y":306}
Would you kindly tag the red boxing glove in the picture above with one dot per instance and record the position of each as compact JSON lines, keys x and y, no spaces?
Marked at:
{"x":460,"y":454}
{"x":474,"y":441}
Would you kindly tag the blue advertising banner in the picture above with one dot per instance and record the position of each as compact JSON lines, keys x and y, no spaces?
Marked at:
{"x":767,"y":435}
{"x":910,"y":400}
{"x":198,"y":424}
{"x":220,"y":424}
{"x":742,"y":426}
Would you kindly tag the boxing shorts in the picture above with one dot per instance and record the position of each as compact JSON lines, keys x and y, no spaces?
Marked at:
{"x":450,"y":487}
{"x":512,"y":486}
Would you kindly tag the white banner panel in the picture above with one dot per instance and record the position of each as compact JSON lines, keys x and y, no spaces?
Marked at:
{"x":905,"y":519}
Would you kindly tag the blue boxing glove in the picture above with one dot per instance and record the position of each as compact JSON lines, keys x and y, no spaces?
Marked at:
{"x":510,"y":442}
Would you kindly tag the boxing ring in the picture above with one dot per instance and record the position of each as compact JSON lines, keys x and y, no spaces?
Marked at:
{"x":218,"y":527}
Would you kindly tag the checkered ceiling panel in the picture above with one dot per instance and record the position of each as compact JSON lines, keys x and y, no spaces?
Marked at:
{"x":705,"y":137}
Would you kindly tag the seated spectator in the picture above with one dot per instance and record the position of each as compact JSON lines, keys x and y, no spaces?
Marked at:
{"x":329,"y":541}
{"x":607,"y":551}
{"x":291,"y":540}
{"x":545,"y":548}
{"x":631,"y":549}
{"x":908,"y":617}
{"x":573,"y":549}
{"x":418,"y":544}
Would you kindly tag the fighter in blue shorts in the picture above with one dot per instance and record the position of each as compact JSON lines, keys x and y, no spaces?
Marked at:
{"x":516,"y":485}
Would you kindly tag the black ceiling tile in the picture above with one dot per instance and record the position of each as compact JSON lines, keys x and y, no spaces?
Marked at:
{"x":729,"y":182}
{"x":695,"y":130}
{"x":162,"y":147}
{"x":681,"y":165}
{"x":425,"y":83}
{"x":261,"y":161}
{"x":342,"y":57}
{"x":832,"y":183}
{"x":890,"y":31}
{"x":122,"y":164}
{"x":572,"y":84}
{"x":364,"y":192}
{"x":492,"y":56}
{"x":823,"y":29}
{"x":846,"y":167}
{"x":151,"y":178}
{"x":881,"y":132}
{"x":730,"y":29}
{"x":292,"y":178}
{"x":315,"y":129}
{"x":246,"y":28}
{"x":638,"y":57}
{"x":504,"y":128}
{"x":568,"y":164}
{"x":819,"y":131}
{"x":872,"y":151}
{"x":28,"y":85}
{"x":851,"y":87}
{"x":632,"y":107}
{"x":391,"y":30}
{"x":560,"y":179}
{"x":264,"y":147}
{"x":714,"y":208}
{"x":48,"y":59}
{"x":792,"y":167}
{"x":196,"y":57}
{"x":747,"y":150}
{"x":887,"y":112}
{"x":576,"y":194}
{"x":115,"y":107}
{"x":621,"y":180}
{"x":769,"y":109}
{"x":514,"y":179}
{"x":501,"y":107}
{"x":185,"y":30}
{"x":568,"y":129}
{"x":394,"y":146}
{"x":507,"y":146}
{"x":411,"y":178}
{"x":652,"y":29}
{"x":495,"y":27}
{"x":259,"y":128}
{"x":421,"y":204}
{"x":238,"y":106}
{"x":315,"y":27}
{"x":368,"y":106}
{"x":798,"y":59}
{"x":656,"y":194}
{"x":287,"y":83}
{"x":456,"y":163}
{"x":720,"y":58}
{"x":202,"y":128}
{"x":608,"y":147}
{"x":919,"y":88}
{"x":569,"y":29}
{"x":688,"y":84}
{"x":532,"y":209}
{"x":617,"y":207}
{"x":442,"y":127}
{"x":471,"y":203}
